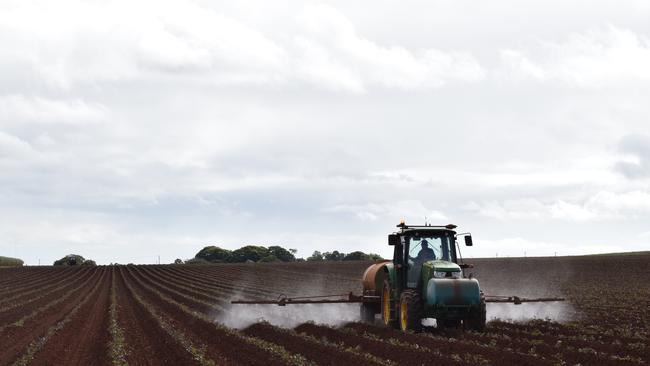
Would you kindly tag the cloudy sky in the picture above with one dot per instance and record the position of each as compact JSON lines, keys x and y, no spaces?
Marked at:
{"x":135,"y":129}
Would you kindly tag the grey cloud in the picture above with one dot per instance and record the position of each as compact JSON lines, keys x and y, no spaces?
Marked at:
{"x":17,"y":109}
{"x":197,"y":44}
{"x":638,"y":146}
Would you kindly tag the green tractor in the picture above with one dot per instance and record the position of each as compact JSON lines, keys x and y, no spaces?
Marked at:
{"x":424,"y":280}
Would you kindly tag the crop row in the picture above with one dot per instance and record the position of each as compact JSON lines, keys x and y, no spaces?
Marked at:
{"x":37,"y":326}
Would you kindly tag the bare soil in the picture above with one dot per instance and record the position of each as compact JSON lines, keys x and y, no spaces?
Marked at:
{"x":164,"y":311}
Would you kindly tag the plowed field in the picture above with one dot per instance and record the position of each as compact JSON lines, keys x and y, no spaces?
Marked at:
{"x":180,"y":315}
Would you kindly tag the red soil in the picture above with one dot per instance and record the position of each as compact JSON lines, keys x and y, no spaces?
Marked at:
{"x":610,"y":324}
{"x":83,"y":340}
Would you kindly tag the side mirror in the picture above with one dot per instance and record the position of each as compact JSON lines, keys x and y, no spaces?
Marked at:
{"x":394,"y":239}
{"x":468,"y":240}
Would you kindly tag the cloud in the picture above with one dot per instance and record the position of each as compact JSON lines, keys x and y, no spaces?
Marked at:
{"x":518,"y":247}
{"x":636,"y":147}
{"x":80,"y":43}
{"x":410,"y":210}
{"x":14,"y":147}
{"x":519,"y":67}
{"x":576,"y":212}
{"x":331,"y":51}
{"x":596,"y":58}
{"x":21,"y":109}
{"x":121,"y":41}
{"x":603,"y":205}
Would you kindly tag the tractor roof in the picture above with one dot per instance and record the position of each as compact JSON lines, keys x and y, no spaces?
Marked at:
{"x":425,"y":228}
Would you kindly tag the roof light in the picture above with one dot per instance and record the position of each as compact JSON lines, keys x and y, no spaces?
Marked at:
{"x":451,"y":226}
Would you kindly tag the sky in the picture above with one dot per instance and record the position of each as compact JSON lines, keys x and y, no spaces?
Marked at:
{"x":136,"y":129}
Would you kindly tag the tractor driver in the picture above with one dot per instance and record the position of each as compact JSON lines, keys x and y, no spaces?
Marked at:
{"x":426,"y":253}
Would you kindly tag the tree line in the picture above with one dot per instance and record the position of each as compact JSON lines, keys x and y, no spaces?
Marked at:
{"x":338,"y":256}
{"x":248,"y":253}
{"x":215,"y":254}
{"x":275,"y":253}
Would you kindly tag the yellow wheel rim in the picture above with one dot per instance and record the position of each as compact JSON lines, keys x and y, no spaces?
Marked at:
{"x":403,"y":318}
{"x":386,"y":304}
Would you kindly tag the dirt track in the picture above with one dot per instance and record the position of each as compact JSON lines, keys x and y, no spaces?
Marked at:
{"x":153,"y":315}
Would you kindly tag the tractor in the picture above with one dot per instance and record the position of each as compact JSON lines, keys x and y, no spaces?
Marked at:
{"x":424,"y":280}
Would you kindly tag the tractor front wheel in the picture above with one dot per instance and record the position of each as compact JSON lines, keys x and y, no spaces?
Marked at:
{"x":410,"y":311}
{"x":387,"y":307}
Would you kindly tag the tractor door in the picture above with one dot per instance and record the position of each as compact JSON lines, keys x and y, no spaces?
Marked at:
{"x":400,"y":254}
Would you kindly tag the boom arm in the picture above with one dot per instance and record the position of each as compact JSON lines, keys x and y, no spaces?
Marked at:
{"x":324,"y":299}
{"x":283,"y":300}
{"x":519,"y":300}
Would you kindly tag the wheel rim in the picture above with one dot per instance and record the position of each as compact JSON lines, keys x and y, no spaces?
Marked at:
{"x":386,"y":305}
{"x":403,"y":318}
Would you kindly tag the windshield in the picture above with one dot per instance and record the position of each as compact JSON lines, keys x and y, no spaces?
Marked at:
{"x":425,"y":248}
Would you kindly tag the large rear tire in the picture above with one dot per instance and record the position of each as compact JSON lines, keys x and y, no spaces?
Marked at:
{"x":477,"y":318}
{"x":410,"y":311}
{"x":387,"y":307}
{"x":367,"y":313}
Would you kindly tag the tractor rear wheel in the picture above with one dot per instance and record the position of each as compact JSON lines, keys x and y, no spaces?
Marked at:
{"x":367,"y":313}
{"x":477,"y":318}
{"x":410,"y":311}
{"x":387,"y":316}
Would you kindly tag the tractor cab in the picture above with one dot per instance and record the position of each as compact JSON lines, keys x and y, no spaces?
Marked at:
{"x":430,"y":250}
{"x":422,"y":252}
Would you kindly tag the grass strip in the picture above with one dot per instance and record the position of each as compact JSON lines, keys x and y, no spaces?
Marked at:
{"x":117,"y":348}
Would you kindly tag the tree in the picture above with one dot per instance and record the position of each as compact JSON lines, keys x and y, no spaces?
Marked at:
{"x":333,"y":256}
{"x":214,"y":254}
{"x":89,"y":262}
{"x":11,"y":262}
{"x":269,"y":258}
{"x":281,"y":254}
{"x":316,"y":256}
{"x":178,"y":261}
{"x":71,"y":260}
{"x":250,"y":252}
{"x":356,"y":256}
{"x":196,"y":261}
{"x":374,"y":257}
